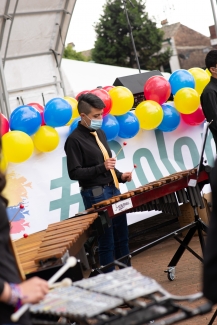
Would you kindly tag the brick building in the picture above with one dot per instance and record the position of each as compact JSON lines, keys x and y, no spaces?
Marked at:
{"x":213,"y":36}
{"x":189,"y":47}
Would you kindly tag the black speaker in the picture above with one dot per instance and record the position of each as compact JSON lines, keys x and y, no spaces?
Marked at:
{"x":136,"y":83}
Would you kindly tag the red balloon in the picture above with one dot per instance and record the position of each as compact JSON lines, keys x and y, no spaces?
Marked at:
{"x":195,"y":118}
{"x":158,"y":89}
{"x":39,"y":108}
{"x":4,"y":124}
{"x":104,"y":95}
{"x":81,"y":93}
{"x":107,"y":88}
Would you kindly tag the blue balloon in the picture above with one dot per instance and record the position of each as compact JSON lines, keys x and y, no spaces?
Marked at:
{"x":26,"y":119}
{"x":179,"y":79}
{"x":57,"y":112}
{"x":129,"y":125}
{"x":171,"y":119}
{"x":110,"y":126}
{"x":74,"y":124}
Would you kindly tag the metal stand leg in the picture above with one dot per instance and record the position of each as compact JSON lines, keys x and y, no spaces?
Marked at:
{"x":199,"y":226}
{"x":213,"y":318}
{"x":201,"y":238}
{"x":182,"y":248}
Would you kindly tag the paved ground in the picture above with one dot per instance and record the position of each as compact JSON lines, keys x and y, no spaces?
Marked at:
{"x":154,"y":261}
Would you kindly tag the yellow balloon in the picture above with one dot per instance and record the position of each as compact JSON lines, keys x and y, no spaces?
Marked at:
{"x":187,"y":100}
{"x":208,"y":72}
{"x":122,"y":100}
{"x":201,"y":79}
{"x":3,"y":163}
{"x":17,"y":146}
{"x":46,"y":139}
{"x":149,"y":114}
{"x":74,"y":103}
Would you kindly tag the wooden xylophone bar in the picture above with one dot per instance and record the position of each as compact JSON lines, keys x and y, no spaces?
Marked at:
{"x":51,"y":244}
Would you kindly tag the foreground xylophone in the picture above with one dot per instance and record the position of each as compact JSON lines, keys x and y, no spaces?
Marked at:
{"x":96,"y":301}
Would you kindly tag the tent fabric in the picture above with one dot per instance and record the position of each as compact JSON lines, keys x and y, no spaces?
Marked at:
{"x":79,"y":76}
{"x":32,"y":40}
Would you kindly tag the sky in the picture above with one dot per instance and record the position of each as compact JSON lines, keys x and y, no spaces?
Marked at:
{"x":195,"y":14}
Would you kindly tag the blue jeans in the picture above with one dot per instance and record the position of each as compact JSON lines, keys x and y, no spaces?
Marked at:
{"x":113,"y":244}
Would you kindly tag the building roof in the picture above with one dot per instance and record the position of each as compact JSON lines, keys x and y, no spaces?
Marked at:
{"x":170,"y":30}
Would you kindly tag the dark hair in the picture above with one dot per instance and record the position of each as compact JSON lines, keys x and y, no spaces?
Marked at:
{"x":88,"y":101}
{"x":211,"y":59}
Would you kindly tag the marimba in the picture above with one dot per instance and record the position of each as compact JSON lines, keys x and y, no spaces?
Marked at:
{"x":163,"y":195}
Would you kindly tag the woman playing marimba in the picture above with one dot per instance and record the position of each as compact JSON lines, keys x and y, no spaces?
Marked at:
{"x":13,"y":293}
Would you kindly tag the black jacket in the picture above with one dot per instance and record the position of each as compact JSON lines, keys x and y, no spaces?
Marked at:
{"x":210,"y":254}
{"x":8,"y":268}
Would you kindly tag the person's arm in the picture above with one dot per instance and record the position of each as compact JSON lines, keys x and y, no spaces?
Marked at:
{"x":209,"y":106}
{"x":31,"y":291}
{"x":74,"y":163}
{"x":5,"y":291}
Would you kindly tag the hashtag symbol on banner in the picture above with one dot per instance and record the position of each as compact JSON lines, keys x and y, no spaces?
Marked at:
{"x":67,"y":199}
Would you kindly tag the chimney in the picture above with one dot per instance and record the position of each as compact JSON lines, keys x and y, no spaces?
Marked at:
{"x":213,"y":36}
{"x":164,"y":22}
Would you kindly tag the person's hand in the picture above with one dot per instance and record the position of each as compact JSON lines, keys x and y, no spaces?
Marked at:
{"x":126,"y":177}
{"x":110,"y":163}
{"x":33,"y":290}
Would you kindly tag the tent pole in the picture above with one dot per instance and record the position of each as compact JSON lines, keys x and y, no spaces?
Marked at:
{"x":4,"y":99}
{"x":9,"y":33}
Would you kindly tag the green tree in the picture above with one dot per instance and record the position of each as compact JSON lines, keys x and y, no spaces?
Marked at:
{"x":113,"y":45}
{"x":71,"y":54}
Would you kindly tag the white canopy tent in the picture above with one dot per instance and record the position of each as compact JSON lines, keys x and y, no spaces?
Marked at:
{"x":32,"y":38}
{"x":80,"y":75}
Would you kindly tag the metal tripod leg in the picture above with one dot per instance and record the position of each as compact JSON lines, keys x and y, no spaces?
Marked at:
{"x":213,"y":318}
{"x":201,"y":238}
{"x":178,"y":254}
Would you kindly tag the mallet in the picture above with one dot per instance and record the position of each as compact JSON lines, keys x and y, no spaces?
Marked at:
{"x":124,"y":144}
{"x":71,"y":261}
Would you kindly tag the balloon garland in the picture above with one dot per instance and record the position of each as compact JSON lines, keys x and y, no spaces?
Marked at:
{"x":33,"y":125}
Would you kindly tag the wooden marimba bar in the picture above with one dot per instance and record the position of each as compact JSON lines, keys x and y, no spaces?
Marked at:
{"x":51,"y":244}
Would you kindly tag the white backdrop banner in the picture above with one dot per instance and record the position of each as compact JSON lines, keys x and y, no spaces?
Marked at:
{"x":48,"y":195}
